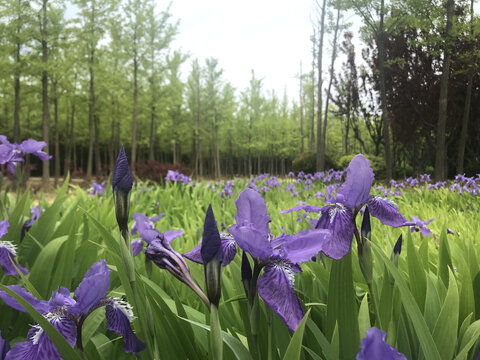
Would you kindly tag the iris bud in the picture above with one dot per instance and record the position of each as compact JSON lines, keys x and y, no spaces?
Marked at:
{"x":212,"y":255}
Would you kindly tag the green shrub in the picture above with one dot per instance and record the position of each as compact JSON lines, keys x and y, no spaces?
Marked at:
{"x":307,"y":162}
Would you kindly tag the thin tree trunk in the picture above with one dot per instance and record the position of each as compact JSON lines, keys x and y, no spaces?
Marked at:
{"x":302,"y":149}
{"x":218,"y":173}
{"x":45,"y":110}
{"x":466,"y":110}
{"x":135,"y":99}
{"x":381,"y":39}
{"x":91,"y":115}
{"x":16,"y":111}
{"x":57,"y":139}
{"x":98,"y":162}
{"x":320,"y":83}
{"x":440,"y":157}
{"x":325,"y":119}
{"x":151,"y":154}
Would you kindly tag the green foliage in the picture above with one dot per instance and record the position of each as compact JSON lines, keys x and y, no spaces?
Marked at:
{"x":428,"y":305}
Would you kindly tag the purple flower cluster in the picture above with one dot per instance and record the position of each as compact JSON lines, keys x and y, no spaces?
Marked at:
{"x":12,"y":154}
{"x":67,"y":314}
{"x":97,"y":189}
{"x":176,"y":176}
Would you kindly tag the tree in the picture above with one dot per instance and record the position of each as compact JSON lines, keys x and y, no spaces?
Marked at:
{"x":321,"y":161}
{"x":440,"y":158}
{"x":323,"y":11}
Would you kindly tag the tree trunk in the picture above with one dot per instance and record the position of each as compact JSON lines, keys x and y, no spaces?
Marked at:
{"x":320,"y":83}
{"x":57,"y":139}
{"x":381,"y":38}
{"x":466,"y":110}
{"x":440,"y":156}
{"x":45,"y":110}
{"x":135,"y":96}
{"x":218,"y":173}
{"x":91,"y":114}
{"x":325,"y":119}
{"x":98,"y":162}
{"x":16,"y":111}
{"x":151,"y":154}
{"x":302,"y":149}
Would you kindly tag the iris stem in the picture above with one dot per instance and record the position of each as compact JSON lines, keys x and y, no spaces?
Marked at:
{"x":270,"y":333}
{"x":216,"y":341}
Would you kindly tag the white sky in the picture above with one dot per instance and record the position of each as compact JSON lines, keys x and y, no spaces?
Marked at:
{"x":268,"y":36}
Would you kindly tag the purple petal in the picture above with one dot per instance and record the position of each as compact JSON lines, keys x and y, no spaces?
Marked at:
{"x":39,"y":346}
{"x":92,"y":289}
{"x":356,"y":188}
{"x":41,"y":306}
{"x":4,"y":224}
{"x":11,"y":167}
{"x":229,"y":248}
{"x":338,"y":219}
{"x":252,"y":241}
{"x":119,"y":316}
{"x":252,"y":211}
{"x":307,"y":208}
{"x":7,"y":254}
{"x":61,"y":297}
{"x":122,"y":179}
{"x":306,"y":244}
{"x":194,"y":255}
{"x":170,"y":235}
{"x":144,"y":227}
{"x":275,"y":287}
{"x":386,"y":211}
{"x":211,"y":248}
{"x":137,"y":246}
{"x":31,"y":146}
{"x":4,"y":347}
{"x":374,"y":347}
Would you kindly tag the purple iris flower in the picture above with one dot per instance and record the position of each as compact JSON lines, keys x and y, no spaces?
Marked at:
{"x":8,"y":252}
{"x":4,"y":347}
{"x":280,"y":255}
{"x":66,"y":314}
{"x":339,"y":216}
{"x":145,"y":223}
{"x":97,"y":189}
{"x":374,"y":347}
{"x":12,"y":154}
{"x":35,"y":212}
{"x":421,"y":225}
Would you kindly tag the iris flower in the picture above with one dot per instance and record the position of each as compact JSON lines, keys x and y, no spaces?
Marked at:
{"x":67,"y":315}
{"x":12,"y":154}
{"x":35,"y":212}
{"x":339,"y":216}
{"x":280,"y":256}
{"x":374,"y":347}
{"x":229,"y":249}
{"x":8,"y":252}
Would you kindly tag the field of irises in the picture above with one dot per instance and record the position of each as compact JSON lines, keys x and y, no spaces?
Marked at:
{"x":313,"y":266}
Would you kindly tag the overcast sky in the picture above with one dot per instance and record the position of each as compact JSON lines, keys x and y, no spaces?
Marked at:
{"x":268,"y":36}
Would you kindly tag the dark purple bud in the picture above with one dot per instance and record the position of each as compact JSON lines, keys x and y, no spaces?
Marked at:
{"x":246,"y":268}
{"x":122,"y":179}
{"x":366,"y":227}
{"x":122,"y":184}
{"x":398,"y":246}
{"x":211,"y":244}
{"x":212,"y":255}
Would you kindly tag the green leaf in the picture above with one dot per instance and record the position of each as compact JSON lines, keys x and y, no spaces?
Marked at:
{"x":327,"y":349}
{"x":341,"y":307}
{"x":416,"y":274}
{"x":58,"y":340}
{"x":472,"y":334}
{"x":445,"y":332}
{"x":238,"y":349}
{"x":364,"y":318}
{"x":425,"y":338}
{"x":294,"y":348}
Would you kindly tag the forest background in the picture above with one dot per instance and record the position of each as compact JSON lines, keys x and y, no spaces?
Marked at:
{"x":408,"y":96}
